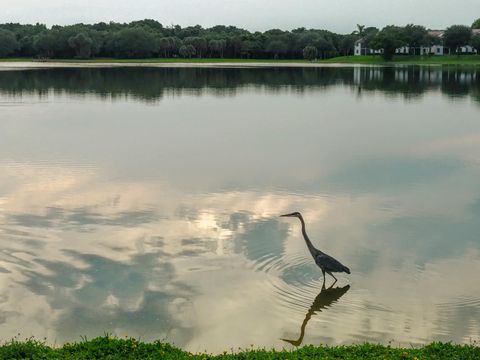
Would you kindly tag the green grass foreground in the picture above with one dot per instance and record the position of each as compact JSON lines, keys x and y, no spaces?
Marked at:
{"x":114,"y":348}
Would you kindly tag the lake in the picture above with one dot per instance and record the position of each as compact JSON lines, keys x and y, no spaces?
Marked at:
{"x":145,"y":202}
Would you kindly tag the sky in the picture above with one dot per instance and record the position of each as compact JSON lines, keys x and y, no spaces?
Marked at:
{"x":336,"y":15}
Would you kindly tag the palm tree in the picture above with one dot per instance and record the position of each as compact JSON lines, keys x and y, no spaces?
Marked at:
{"x":359,"y":30}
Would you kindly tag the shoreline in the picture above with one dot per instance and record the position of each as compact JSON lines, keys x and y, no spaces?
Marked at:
{"x":344,"y":61}
{"x":24,"y":65}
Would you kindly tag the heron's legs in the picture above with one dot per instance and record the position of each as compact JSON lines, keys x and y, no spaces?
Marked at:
{"x":333,"y":277}
{"x":323,"y":272}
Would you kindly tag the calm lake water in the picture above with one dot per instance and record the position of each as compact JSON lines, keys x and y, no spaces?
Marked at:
{"x":144,"y":202}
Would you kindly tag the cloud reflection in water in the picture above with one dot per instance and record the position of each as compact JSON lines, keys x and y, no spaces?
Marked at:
{"x":122,"y":236}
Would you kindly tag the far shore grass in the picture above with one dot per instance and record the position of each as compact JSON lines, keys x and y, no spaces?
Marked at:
{"x":408,"y":60}
{"x":108,"y":347}
{"x":468,"y":60}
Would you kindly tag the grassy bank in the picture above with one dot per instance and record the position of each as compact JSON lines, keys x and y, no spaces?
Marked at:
{"x":408,"y":60}
{"x":113,"y":348}
{"x":366,"y":60}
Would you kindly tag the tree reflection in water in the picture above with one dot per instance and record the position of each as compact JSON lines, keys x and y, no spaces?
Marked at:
{"x":152,"y":84}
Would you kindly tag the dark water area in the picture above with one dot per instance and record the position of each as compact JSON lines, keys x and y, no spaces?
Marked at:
{"x":151,"y":84}
{"x":145,"y":202}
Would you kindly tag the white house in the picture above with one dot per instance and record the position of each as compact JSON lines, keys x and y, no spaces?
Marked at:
{"x":360,"y":49}
{"x":357,"y":50}
{"x":437,"y":50}
{"x":467,"y":49}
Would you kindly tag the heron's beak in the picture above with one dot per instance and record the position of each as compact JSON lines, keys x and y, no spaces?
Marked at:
{"x":292,"y":214}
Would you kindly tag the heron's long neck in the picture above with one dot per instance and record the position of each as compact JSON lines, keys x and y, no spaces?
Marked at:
{"x":305,"y":236}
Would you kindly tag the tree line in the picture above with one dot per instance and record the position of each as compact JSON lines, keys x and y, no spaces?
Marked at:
{"x":149,"y":38}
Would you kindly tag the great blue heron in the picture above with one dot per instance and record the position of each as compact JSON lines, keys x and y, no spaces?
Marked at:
{"x":326,"y":263}
{"x":324,"y":299}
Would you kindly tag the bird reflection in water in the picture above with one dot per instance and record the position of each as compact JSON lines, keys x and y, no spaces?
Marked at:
{"x":324,"y":299}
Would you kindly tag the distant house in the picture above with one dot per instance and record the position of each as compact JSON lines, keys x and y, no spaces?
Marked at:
{"x":437,"y":49}
{"x":403,"y":50}
{"x":467,"y":49}
{"x":361,"y":49}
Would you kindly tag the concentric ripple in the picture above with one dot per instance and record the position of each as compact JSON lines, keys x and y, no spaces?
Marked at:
{"x":294,"y":280}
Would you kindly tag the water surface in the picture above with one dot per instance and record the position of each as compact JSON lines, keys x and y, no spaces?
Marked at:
{"x":145,"y":202}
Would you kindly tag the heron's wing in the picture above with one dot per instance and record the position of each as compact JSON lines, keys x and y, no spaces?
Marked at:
{"x":328,"y":263}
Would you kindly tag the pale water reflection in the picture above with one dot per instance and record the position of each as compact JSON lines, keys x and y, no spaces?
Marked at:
{"x":145,"y":202}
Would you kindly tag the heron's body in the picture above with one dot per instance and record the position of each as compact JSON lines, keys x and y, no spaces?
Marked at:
{"x":325,"y":262}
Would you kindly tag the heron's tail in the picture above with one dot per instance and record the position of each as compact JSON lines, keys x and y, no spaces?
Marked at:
{"x":347,"y":270}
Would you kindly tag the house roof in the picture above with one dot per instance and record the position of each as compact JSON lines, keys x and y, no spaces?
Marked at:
{"x":436,"y":33}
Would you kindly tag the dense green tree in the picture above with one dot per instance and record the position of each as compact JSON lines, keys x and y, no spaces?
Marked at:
{"x":24,"y":34}
{"x":456,"y":36}
{"x":45,"y":44}
{"x":26,"y":47}
{"x":475,"y":42}
{"x":60,"y":36}
{"x":369,"y":34}
{"x":169,"y":46}
{"x":82,"y":44}
{"x":164,"y":46}
{"x":476,"y":24}
{"x":347,"y":44}
{"x":150,"y":24}
{"x":98,"y":41}
{"x":310,"y":52}
{"x":21,"y":30}
{"x":306,"y":38}
{"x":325,"y":47}
{"x":274,"y":33}
{"x":217,"y":47}
{"x":415,"y":36}
{"x":101,"y":26}
{"x":146,"y":38}
{"x":389,"y":39}
{"x":276,"y":48}
{"x":187,"y":51}
{"x":8,"y":43}
{"x":250,"y":47}
{"x":132,"y":43}
{"x":199,"y":43}
{"x":189,"y":31}
{"x":234,"y":46}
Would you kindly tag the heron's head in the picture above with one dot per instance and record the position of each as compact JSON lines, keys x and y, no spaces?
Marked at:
{"x":294,"y":214}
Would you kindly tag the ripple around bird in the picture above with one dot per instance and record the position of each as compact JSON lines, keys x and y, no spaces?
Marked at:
{"x":294,"y":279}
